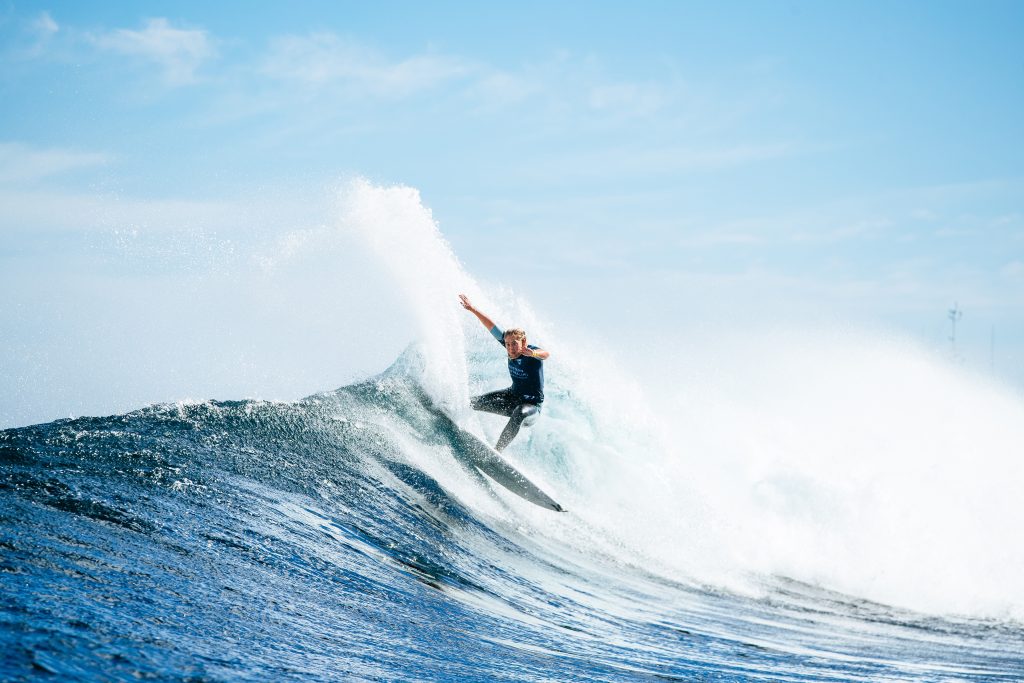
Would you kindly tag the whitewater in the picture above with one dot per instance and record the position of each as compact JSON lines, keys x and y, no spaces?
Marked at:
{"x":821,"y":505}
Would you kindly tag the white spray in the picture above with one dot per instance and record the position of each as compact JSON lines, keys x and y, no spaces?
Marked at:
{"x":855,"y":462}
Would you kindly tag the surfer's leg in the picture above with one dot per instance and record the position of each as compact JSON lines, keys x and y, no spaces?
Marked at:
{"x":523,"y":412}
{"x":500,"y":402}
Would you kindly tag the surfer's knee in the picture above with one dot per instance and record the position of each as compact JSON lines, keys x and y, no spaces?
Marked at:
{"x":530,"y":413}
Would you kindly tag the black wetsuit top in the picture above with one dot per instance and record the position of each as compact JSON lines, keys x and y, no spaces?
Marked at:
{"x":527,"y":373}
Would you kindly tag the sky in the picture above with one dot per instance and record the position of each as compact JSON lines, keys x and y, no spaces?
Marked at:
{"x":650,"y":170}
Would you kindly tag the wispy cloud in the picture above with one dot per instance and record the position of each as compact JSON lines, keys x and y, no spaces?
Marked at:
{"x":633,"y":98}
{"x":43,"y":28}
{"x":44,"y":25}
{"x":322,"y":59}
{"x":31,"y":39}
{"x":37,"y":211}
{"x":180,"y":52}
{"x":495,"y":88}
{"x":626,"y":160}
{"x":20,"y":163}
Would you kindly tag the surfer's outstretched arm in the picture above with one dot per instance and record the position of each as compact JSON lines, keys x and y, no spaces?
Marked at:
{"x":484,"y":320}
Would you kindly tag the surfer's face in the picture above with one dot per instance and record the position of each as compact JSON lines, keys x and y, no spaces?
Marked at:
{"x":514,"y":346}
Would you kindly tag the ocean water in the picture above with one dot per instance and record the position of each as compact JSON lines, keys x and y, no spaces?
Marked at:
{"x":336,"y":538}
{"x":822,"y":509}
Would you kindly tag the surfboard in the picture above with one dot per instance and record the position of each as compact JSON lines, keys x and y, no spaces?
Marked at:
{"x":474,"y":452}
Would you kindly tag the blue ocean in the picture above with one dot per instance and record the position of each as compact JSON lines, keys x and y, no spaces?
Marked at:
{"x":796,"y":519}
{"x":337,"y":538}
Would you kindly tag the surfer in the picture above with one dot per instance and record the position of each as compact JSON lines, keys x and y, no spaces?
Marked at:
{"x":520,"y":402}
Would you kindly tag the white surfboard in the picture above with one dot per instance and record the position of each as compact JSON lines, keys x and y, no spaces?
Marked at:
{"x":475,"y":452}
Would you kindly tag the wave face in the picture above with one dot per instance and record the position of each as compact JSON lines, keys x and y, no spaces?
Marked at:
{"x":336,"y":538}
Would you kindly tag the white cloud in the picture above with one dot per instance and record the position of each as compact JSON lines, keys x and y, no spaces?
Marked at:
{"x":39,"y":211}
{"x":180,"y":52}
{"x":172,"y":221}
{"x":20,"y":163}
{"x":625,"y":160}
{"x":38,"y":35}
{"x":324,"y":58}
{"x":44,"y":25}
{"x":841,"y":229}
{"x":629,"y":98}
{"x":497,"y":88}
{"x":719,"y":238}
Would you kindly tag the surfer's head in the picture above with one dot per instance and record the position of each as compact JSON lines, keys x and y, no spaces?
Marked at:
{"x":515,"y":342}
{"x":515,"y":333}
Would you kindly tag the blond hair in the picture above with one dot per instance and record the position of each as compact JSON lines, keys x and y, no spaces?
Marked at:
{"x":515,"y":333}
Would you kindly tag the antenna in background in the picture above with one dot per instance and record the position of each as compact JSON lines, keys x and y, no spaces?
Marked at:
{"x":954,"y":316}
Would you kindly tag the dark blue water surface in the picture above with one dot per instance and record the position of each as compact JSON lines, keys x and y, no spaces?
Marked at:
{"x":297,"y":542}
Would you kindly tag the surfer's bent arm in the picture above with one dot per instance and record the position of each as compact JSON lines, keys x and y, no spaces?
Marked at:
{"x":539,"y":354}
{"x":484,"y":320}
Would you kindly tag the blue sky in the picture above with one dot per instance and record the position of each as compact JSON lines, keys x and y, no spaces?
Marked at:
{"x":652,"y":166}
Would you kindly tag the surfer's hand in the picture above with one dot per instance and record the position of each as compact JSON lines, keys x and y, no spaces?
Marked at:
{"x":465,"y":302}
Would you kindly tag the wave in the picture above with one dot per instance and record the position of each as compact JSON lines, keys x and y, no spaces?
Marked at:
{"x":225,"y":540}
{"x":843,"y":458}
{"x":825,"y":507}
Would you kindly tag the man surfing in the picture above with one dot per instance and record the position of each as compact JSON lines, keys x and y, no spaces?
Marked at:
{"x":520,"y":402}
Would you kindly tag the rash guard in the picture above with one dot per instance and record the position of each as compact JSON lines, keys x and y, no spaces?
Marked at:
{"x":527,"y":373}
